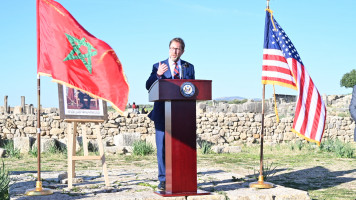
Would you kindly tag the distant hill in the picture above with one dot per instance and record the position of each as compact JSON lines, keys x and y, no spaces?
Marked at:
{"x":229,"y":98}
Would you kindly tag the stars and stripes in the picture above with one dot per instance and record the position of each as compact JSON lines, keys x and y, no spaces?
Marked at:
{"x":283,"y":66}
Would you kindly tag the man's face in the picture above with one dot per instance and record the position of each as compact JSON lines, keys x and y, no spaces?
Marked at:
{"x":175,"y":51}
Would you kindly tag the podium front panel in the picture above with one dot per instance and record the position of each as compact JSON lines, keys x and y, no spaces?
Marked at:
{"x":180,"y":137}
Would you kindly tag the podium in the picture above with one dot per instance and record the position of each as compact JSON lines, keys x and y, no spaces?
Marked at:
{"x":180,"y":96}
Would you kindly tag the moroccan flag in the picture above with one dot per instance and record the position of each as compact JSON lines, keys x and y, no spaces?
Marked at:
{"x":77,"y":59}
{"x":283,"y":66}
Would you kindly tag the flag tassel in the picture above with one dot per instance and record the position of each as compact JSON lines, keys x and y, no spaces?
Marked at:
{"x":275,"y":104}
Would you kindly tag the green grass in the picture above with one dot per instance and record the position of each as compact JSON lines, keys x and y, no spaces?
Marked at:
{"x":154,"y":187}
{"x":206,"y":147}
{"x":141,"y":148}
{"x":339,"y":148}
{"x":333,"y":193}
{"x":324,"y":172}
{"x":4,"y":182}
{"x":10,"y":150}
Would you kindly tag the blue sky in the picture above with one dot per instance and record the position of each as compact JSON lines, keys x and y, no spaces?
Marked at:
{"x":224,"y":41}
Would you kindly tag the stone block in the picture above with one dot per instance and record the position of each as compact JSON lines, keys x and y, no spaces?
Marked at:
{"x":115,"y":150}
{"x":18,"y":110}
{"x":23,"y":144}
{"x":62,"y":143}
{"x":2,"y":152}
{"x":94,"y":144}
{"x":5,"y":130}
{"x":30,"y":130}
{"x":232,"y":149}
{"x":207,"y":197}
{"x":243,"y":136}
{"x":46,"y":144}
{"x":151,"y":139}
{"x":218,"y":149}
{"x":56,"y":131}
{"x":126,"y":139}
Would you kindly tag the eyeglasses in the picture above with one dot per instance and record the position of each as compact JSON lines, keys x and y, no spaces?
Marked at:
{"x":175,"y":49}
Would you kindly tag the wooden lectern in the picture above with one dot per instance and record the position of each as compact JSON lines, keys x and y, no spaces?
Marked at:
{"x":180,"y":96}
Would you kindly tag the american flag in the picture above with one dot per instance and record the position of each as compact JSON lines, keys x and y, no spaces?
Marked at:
{"x":283,"y":66}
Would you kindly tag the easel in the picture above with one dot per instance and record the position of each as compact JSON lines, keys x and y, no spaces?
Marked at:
{"x":72,"y":157}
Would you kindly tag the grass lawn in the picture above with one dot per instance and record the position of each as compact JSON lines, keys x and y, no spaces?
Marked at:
{"x":323,"y":174}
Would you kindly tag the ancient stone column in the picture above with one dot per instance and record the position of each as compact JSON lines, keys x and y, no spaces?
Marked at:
{"x":5,"y":104}
{"x":31,"y":109}
{"x":27,"y":109}
{"x":23,"y":104}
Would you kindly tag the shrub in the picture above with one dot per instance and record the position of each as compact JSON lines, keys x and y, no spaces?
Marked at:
{"x":4,"y":182}
{"x":10,"y":150}
{"x":141,"y":148}
{"x":299,"y":145}
{"x":53,"y":149}
{"x":33,"y":152}
{"x":342,"y":150}
{"x":206,"y":147}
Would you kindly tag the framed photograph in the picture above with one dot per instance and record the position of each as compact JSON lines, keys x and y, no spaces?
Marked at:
{"x":74,"y":104}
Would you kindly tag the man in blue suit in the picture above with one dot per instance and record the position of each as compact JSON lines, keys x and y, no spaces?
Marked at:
{"x":172,"y":68}
{"x":353,"y":108}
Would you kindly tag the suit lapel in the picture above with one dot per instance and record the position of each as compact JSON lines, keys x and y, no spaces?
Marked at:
{"x":185,"y":69}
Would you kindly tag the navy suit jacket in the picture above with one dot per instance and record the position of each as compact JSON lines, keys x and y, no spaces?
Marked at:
{"x":157,"y":114}
{"x":352,"y":108}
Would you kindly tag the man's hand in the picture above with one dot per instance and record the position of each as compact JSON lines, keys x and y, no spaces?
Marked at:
{"x":161,"y":69}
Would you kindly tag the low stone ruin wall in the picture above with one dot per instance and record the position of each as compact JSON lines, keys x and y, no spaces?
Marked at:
{"x":221,"y":129}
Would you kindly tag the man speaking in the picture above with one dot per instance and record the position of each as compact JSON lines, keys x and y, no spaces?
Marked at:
{"x":171,"y":68}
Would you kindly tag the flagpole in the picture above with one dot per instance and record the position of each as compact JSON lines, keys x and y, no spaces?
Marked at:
{"x":260,"y":183}
{"x":38,"y":190}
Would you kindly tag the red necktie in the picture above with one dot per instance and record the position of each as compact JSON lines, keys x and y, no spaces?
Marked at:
{"x":176,"y":71}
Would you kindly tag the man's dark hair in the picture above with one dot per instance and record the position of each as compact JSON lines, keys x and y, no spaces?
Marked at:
{"x":177,"y":39}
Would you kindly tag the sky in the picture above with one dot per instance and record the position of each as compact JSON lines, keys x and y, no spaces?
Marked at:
{"x":224,"y":42}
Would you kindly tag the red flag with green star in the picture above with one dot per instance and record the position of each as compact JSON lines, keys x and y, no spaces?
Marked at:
{"x":73,"y":57}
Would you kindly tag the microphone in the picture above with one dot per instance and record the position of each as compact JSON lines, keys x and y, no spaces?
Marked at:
{"x":186,"y":64}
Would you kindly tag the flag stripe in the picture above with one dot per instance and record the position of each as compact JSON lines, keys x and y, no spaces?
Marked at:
{"x":277,"y":69}
{"x":276,"y":63}
{"x":316,"y":119}
{"x":274,"y":57}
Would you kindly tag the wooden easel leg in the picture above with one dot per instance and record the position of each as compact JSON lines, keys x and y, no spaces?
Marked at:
{"x":85,"y":140}
{"x":102,"y":155}
{"x":74,"y":149}
{"x":70,"y":155}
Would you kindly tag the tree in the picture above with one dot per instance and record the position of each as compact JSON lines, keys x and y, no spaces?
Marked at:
{"x":349,"y":79}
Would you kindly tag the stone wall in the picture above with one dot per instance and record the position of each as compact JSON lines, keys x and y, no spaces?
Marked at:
{"x":224,"y":127}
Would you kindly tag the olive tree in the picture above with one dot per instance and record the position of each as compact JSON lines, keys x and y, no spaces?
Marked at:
{"x":349,"y":79}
